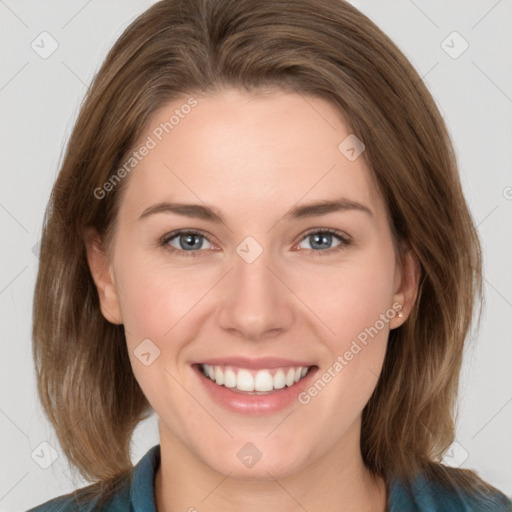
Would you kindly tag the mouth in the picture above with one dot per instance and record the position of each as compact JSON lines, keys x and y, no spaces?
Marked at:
{"x":250,"y":381}
{"x":254,"y":386}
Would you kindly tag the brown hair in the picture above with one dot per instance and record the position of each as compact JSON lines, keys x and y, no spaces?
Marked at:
{"x":324,"y":48}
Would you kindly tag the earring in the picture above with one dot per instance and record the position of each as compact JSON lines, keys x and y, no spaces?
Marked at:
{"x":400,"y":314}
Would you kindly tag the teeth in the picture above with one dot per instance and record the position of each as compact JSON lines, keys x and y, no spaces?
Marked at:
{"x":244,"y":381}
{"x":229,"y":378}
{"x":219,"y":376}
{"x":279,"y":380}
{"x":250,"y":380}
{"x":263,"y":381}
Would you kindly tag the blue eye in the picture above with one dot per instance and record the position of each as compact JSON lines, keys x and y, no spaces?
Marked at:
{"x":190,"y":242}
{"x":325,"y":237}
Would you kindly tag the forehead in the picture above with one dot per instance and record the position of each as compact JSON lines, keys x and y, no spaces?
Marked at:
{"x":259,"y":153}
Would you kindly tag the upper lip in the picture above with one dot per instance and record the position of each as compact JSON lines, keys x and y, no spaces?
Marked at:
{"x":256,"y":363}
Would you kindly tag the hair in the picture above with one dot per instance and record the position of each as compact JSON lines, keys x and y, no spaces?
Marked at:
{"x":323,"y":48}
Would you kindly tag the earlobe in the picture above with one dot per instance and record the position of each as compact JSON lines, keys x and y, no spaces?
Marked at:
{"x":102,"y":275}
{"x":407,"y":288}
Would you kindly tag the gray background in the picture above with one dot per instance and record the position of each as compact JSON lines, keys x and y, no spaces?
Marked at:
{"x":39,"y":100}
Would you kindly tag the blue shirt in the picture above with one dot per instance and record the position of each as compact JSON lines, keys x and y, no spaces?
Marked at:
{"x":139,"y":496}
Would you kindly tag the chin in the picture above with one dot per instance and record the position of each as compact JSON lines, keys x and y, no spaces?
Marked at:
{"x":247,"y":462}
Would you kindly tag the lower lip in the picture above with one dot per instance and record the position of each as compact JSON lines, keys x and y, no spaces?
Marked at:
{"x":255,"y":404}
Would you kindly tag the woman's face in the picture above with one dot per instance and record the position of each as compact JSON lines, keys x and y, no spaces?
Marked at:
{"x":255,"y":288}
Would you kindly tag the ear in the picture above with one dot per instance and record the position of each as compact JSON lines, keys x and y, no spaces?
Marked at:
{"x":103,"y":277}
{"x":407,"y":277}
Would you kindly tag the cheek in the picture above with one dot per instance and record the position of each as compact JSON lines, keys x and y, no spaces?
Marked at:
{"x":355,"y":299}
{"x":155,"y":297}
{"x":144,"y":305}
{"x":155,"y":301}
{"x":351,"y":297}
{"x":160,"y":303}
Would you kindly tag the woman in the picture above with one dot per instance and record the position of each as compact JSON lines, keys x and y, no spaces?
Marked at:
{"x":182,"y":270}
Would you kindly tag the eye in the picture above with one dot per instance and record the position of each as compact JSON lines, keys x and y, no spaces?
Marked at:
{"x":319,"y":239}
{"x":184,"y":243}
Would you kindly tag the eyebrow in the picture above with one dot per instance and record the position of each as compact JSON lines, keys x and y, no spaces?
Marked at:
{"x":209,"y":213}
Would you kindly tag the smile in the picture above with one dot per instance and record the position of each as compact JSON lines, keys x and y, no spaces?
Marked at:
{"x":262,"y":381}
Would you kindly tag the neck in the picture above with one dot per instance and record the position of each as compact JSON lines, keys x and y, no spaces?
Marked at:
{"x":337,"y":481}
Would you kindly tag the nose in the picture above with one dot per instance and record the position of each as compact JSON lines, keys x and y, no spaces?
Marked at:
{"x":256,"y":303}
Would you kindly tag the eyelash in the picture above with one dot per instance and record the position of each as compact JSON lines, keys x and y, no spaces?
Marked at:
{"x":164,"y":242}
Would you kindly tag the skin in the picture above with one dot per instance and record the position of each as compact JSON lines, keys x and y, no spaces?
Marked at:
{"x":253,"y":157}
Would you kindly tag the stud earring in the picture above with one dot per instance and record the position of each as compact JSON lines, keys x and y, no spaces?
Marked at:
{"x":400,"y":314}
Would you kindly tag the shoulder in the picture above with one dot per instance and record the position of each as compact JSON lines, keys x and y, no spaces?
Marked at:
{"x":132,"y":490}
{"x":64,"y":503}
{"x":88,"y":500}
{"x":426,"y":495}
